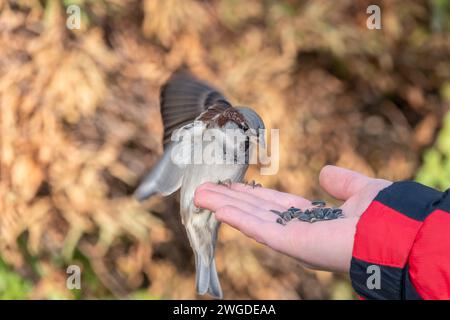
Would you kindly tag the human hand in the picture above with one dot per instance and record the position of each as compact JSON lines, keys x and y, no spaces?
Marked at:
{"x":325,"y":245}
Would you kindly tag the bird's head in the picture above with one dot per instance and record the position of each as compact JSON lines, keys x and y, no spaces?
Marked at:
{"x":255,"y":124}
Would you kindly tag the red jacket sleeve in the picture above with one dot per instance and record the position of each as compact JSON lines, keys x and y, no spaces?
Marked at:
{"x":402,"y":245}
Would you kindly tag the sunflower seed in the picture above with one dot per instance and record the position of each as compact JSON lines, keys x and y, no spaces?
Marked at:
{"x":286,"y":216}
{"x":295,"y":214}
{"x":304,"y":217}
{"x":318,"y":203}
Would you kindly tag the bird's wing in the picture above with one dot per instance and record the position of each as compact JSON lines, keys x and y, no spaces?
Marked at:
{"x":183,"y":98}
{"x":165,"y":177}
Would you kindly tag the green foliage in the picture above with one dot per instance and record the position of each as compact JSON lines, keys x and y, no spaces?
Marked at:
{"x":91,"y":284}
{"x":12,"y":285}
{"x":435,"y":171}
{"x":143,"y":294}
{"x":441,"y":15}
{"x":341,"y":289}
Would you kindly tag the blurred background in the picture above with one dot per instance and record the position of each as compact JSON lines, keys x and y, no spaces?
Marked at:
{"x":80,"y":126}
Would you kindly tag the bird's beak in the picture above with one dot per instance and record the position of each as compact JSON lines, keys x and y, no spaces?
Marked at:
{"x":256,"y":137}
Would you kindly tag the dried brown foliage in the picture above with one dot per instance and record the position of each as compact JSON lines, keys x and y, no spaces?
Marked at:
{"x":80,"y":126}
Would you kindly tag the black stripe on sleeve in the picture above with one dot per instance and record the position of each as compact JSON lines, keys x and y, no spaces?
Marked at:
{"x":411,"y":199}
{"x":391,"y":279}
{"x":445,"y":202}
{"x":409,"y":292}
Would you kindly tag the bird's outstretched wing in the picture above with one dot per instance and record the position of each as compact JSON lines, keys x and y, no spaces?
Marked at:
{"x":183,"y":98}
{"x":165,"y":177}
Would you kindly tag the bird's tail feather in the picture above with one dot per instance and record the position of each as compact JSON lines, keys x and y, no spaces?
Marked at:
{"x":207,"y":279}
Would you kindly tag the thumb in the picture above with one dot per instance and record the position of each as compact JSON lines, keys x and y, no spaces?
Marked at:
{"x":342,"y":183}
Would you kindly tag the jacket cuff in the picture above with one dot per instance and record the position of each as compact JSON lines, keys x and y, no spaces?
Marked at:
{"x":384,"y":237}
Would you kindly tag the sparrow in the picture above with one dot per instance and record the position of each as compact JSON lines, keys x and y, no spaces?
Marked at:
{"x":192,"y":106}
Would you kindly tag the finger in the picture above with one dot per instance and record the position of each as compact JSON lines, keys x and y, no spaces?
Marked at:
{"x":214,"y":201}
{"x":342,"y":183}
{"x":286,"y":200}
{"x":252,"y":226}
{"x":256,"y":201}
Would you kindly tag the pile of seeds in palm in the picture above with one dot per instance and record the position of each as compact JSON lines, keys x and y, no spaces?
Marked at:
{"x":317,"y":213}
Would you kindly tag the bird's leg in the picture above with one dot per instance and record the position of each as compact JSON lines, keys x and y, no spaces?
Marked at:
{"x":226,"y":183}
{"x":253,"y":184}
{"x":257,"y":185}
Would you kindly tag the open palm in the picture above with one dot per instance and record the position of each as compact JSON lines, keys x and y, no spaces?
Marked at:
{"x":323,"y":245}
